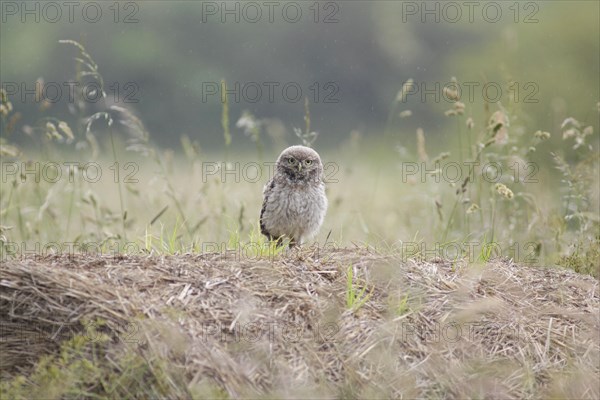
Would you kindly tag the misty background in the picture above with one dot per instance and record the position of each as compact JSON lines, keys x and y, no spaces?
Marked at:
{"x":163,"y":60}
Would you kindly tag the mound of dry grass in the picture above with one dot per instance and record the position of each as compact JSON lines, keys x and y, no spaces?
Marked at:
{"x":282,"y":326}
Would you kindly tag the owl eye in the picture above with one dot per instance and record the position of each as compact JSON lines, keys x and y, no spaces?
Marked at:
{"x":291,"y":160}
{"x":308,"y":162}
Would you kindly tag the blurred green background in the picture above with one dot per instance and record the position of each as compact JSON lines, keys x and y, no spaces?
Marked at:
{"x":173,"y":50}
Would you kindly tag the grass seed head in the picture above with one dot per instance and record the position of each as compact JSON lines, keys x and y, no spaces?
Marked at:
{"x":472,"y":208}
{"x":470,"y":123}
{"x":542,"y":135}
{"x":504,"y":191}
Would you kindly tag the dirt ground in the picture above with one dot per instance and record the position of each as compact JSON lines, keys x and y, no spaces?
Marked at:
{"x":285,"y":327}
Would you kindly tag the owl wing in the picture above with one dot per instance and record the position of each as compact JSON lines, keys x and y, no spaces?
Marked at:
{"x":266,"y":191}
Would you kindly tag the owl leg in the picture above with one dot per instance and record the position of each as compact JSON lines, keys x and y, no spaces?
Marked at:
{"x":279,"y":241}
{"x":283,"y":240}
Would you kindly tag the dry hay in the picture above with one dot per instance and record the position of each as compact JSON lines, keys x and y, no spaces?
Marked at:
{"x":281,"y":327}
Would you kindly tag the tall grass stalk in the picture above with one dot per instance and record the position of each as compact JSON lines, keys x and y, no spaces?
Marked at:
{"x":400,"y":97}
{"x":225,"y":116}
{"x":121,"y":202}
{"x":86,"y":60}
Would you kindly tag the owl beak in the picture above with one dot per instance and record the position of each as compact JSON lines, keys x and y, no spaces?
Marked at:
{"x":299,"y":167}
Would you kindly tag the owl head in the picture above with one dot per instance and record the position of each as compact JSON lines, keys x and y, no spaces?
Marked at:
{"x":300,"y":164}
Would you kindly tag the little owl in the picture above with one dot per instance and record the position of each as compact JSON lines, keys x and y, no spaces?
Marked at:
{"x":294,"y":201}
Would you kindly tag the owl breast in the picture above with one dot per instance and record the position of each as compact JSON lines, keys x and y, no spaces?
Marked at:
{"x":295,"y":210}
